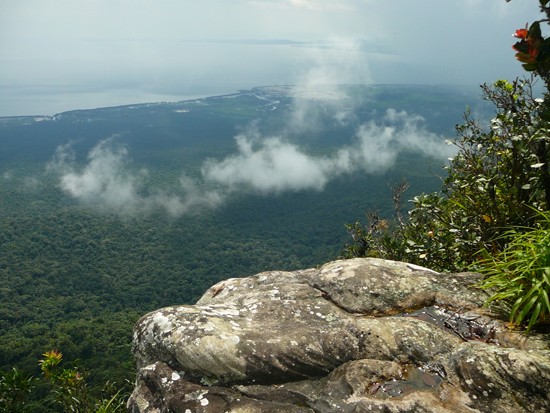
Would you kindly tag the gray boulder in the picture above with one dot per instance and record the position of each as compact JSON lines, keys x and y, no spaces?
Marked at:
{"x":357,"y":335}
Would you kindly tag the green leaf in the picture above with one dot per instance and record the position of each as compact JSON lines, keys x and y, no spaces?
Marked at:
{"x":546,"y":301}
{"x":515,"y":308}
{"x":534,"y":30}
{"x":526,"y":309}
{"x":534,"y":289}
{"x":534,"y":316}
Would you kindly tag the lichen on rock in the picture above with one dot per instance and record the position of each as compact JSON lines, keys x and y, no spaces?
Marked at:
{"x":346,"y":337}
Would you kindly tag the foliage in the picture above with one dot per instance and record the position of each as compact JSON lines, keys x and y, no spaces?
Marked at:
{"x":498,"y":176}
{"x":68,"y":389}
{"x":113,"y":400}
{"x":519,"y":276}
{"x":15,"y":388}
{"x":495,"y":199}
{"x":75,"y":278}
{"x":533,"y":50}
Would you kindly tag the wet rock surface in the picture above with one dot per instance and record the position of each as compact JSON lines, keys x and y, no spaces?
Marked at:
{"x":356,"y":335}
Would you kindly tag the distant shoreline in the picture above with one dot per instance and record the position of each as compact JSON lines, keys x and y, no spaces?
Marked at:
{"x":42,"y":116}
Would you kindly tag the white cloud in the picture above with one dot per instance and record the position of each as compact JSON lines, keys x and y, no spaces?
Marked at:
{"x":31,"y":183}
{"x":316,"y":5}
{"x":322,"y":5}
{"x":103,"y":180}
{"x":332,"y":65}
{"x":264,"y":165}
{"x":267,"y":166}
{"x":271,"y":165}
{"x":337,"y":61}
{"x":379,"y":144}
{"x":108,"y":181}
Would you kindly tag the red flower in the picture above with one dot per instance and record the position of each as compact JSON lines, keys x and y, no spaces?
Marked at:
{"x":527,"y":47}
{"x":521,"y":34}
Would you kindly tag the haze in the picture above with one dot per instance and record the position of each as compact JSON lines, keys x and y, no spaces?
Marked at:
{"x":60,"y":55}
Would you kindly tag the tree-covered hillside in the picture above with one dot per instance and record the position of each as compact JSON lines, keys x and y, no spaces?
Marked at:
{"x":107,"y":214}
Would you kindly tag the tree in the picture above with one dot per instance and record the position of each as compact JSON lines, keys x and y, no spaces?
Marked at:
{"x":67,"y":387}
{"x":15,"y":388}
{"x":492,"y":213}
{"x":498,"y":179}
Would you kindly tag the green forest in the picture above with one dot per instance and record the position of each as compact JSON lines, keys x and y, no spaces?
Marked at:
{"x":75,"y":276}
{"x":110,"y":213}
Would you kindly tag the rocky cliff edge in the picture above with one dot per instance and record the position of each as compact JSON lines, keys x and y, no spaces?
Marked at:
{"x":360,"y":335}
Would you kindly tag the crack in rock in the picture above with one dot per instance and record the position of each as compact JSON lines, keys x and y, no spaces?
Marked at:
{"x":346,"y":337}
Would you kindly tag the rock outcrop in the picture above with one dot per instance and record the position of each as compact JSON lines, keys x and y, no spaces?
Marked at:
{"x":361,"y":335}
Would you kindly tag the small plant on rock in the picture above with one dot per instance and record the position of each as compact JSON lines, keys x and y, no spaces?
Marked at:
{"x":70,"y":388}
{"x":519,"y":276}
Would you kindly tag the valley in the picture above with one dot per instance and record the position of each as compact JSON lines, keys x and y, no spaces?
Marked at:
{"x":109,"y":213}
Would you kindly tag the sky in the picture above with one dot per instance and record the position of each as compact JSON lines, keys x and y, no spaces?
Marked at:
{"x":60,"y":55}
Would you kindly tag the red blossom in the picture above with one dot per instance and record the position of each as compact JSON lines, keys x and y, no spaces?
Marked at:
{"x":521,"y":33}
{"x":527,"y":47}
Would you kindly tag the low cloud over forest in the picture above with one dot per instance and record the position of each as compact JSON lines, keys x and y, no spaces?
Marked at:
{"x":261,"y":165}
{"x":266,"y":164}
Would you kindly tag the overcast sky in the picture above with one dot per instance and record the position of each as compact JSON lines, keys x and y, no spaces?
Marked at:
{"x":58,"y":55}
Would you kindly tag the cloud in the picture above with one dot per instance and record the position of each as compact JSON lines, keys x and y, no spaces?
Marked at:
{"x":273,"y":165}
{"x":7,"y":176}
{"x":332,"y":65}
{"x":379,"y":144}
{"x":262,"y":165}
{"x":267,"y":166}
{"x":108,"y":181}
{"x":320,"y":4}
{"x":104,"y":179}
{"x":314,"y":5}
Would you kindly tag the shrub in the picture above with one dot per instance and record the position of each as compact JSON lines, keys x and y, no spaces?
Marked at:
{"x":15,"y":388}
{"x":492,"y":211}
{"x":70,"y":388}
{"x":497,"y":178}
{"x":67,"y":387}
{"x":519,"y":276}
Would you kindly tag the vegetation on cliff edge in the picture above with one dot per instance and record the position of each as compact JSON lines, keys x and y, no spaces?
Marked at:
{"x":492,"y":213}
